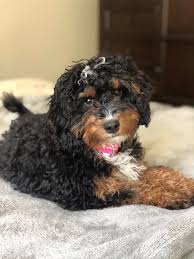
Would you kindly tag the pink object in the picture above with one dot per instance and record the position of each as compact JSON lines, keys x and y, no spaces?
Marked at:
{"x":109,"y":150}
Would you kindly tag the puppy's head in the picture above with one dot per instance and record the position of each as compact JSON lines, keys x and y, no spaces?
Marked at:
{"x":101,"y":102}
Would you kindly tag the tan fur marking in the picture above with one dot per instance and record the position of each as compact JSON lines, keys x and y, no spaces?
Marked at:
{"x":94,"y":134}
{"x":88,"y":92}
{"x":116,"y":84}
{"x":79,"y":128}
{"x":115,"y":183}
{"x":128,"y":123}
{"x":136,"y":88}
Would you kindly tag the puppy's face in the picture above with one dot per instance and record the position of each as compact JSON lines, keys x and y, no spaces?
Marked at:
{"x":101,"y":102}
{"x":106,"y":114}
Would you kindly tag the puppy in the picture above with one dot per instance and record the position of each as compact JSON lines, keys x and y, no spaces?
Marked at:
{"x":84,"y":153}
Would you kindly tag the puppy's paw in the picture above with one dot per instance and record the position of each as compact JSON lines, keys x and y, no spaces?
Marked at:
{"x":184,"y":204}
{"x":166,"y":188}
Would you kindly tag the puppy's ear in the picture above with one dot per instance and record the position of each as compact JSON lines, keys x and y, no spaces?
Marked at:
{"x":142,"y":90}
{"x":63,"y":101}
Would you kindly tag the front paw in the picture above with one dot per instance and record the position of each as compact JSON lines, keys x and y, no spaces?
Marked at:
{"x":166,"y":188}
{"x":183,"y":204}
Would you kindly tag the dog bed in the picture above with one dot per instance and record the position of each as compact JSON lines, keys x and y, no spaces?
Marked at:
{"x":35,"y":228}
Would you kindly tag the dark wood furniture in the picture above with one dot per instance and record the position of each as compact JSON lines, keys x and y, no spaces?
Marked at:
{"x":159,"y":34}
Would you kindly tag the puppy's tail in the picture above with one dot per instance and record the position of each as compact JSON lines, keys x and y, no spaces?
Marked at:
{"x":12,"y":104}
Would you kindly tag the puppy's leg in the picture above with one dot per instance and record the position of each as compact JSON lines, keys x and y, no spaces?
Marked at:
{"x":158,"y":186}
{"x":164,"y":187}
{"x":113,"y":189}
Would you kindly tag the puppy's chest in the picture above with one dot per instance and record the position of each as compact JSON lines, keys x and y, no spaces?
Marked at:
{"x":126,"y":164}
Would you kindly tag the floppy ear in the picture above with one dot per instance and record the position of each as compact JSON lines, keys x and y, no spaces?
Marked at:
{"x":142,"y":89}
{"x":62,"y":102}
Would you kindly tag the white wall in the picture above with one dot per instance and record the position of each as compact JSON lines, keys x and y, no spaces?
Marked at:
{"x":40,"y":37}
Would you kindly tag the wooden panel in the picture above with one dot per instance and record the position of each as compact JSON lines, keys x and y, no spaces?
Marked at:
{"x":138,"y":25}
{"x":126,"y":20}
{"x":132,"y":28}
{"x":179,"y":70}
{"x":145,"y":53}
{"x":181,"y":17}
{"x":159,"y":34}
{"x":132,"y":5}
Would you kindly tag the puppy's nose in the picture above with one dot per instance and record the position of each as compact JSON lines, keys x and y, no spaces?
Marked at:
{"x":111,"y":126}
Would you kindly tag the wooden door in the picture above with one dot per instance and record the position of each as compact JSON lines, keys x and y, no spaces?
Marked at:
{"x":178,"y":67}
{"x":132,"y":28}
{"x":159,"y":34}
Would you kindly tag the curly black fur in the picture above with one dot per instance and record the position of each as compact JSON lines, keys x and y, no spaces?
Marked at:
{"x":40,"y":155}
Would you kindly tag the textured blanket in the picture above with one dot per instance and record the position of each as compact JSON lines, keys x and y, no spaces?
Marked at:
{"x":33,"y":228}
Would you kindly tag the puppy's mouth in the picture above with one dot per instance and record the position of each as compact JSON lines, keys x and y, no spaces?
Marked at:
{"x":110,"y":150}
{"x":112,"y":146}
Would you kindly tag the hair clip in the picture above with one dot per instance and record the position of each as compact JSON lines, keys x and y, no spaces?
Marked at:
{"x":88,"y":71}
{"x":100,"y":62}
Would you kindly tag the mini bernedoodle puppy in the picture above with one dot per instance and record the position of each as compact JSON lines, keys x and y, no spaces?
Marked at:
{"x":84,"y":153}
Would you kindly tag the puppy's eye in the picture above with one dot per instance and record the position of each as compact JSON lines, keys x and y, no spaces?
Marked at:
{"x":89,"y":102}
{"x":117,"y":93}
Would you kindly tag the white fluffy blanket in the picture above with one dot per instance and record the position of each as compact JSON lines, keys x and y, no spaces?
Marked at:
{"x":169,"y":139}
{"x":34,"y":228}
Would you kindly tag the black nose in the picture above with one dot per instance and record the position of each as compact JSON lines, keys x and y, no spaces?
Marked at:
{"x":111,"y":126}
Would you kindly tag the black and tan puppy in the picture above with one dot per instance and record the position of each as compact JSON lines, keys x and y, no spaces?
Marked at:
{"x":84,"y":153}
